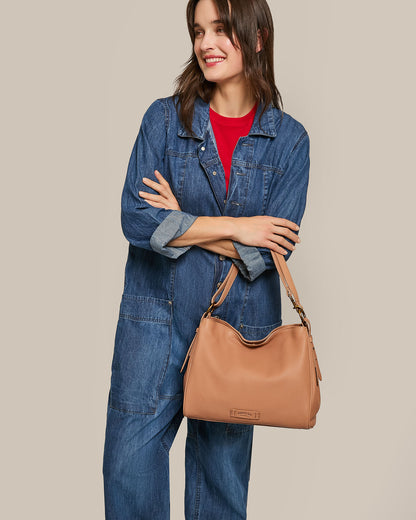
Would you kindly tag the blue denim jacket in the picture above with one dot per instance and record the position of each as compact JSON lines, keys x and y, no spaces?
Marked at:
{"x":166,"y":289}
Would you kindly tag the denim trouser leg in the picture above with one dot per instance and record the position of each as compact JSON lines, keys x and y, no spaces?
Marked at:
{"x":136,"y":462}
{"x":217,"y":462}
{"x":139,"y":436}
{"x":136,"y":466}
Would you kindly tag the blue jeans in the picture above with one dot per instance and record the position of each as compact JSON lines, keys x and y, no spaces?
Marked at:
{"x":136,"y":465}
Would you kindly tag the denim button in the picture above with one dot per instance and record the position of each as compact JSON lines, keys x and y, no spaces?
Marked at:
{"x":222,"y":257}
{"x":214,"y":173}
{"x":203,"y":148}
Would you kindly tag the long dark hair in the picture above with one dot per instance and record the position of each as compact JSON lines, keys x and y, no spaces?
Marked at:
{"x":247,"y":18}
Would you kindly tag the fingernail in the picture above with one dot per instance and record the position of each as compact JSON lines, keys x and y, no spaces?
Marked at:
{"x":297,"y":228}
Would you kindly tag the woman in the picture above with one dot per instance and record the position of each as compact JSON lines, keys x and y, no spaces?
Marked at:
{"x":218,"y":174}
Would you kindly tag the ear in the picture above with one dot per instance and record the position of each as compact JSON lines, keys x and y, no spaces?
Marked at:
{"x":259,"y":45}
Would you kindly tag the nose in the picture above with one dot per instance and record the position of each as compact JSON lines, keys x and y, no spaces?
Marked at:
{"x":207,"y":41}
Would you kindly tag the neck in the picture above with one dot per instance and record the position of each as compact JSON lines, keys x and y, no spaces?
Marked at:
{"x":232,"y":101}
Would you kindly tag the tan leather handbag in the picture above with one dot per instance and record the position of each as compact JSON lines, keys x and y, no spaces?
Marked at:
{"x":273,"y":381}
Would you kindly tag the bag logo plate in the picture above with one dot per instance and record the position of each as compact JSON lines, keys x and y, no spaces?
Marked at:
{"x":244,"y":414}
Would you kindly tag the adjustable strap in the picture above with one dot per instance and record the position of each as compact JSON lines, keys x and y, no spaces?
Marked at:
{"x":224,"y":288}
{"x":285,"y":276}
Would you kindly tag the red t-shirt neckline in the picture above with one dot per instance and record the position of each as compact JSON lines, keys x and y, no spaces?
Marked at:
{"x":233,"y":121}
{"x":227,"y":131}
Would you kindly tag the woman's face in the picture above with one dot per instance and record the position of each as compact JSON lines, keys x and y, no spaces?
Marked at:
{"x":225,"y":63}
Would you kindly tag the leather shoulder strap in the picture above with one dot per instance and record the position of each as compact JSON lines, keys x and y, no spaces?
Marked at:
{"x":284,"y":275}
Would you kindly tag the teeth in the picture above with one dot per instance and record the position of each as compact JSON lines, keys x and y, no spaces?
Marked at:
{"x":213,"y":60}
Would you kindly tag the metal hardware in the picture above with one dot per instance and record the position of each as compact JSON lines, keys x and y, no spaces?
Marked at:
{"x":209,"y":310}
{"x":299,"y":309}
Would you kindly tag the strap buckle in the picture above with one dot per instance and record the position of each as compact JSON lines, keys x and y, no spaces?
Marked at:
{"x":299,"y":309}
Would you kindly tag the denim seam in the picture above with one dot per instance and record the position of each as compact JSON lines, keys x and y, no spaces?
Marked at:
{"x":166,"y":108}
{"x":246,"y":292}
{"x":164,"y":444}
{"x":302,"y":136}
{"x":182,"y":155}
{"x":165,"y":449}
{"x":181,"y":183}
{"x":172,"y":283}
{"x":126,"y":410}
{"x":134,"y":317}
{"x":165,"y":369}
{"x":135,"y":297}
{"x":173,"y":396}
{"x":198,"y":478}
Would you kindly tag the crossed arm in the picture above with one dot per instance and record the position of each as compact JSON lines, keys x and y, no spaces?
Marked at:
{"x":217,"y":234}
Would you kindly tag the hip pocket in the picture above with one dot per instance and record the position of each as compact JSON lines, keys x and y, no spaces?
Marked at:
{"x":141,"y":353}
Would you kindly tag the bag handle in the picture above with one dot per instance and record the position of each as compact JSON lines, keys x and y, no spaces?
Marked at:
{"x":285,"y":276}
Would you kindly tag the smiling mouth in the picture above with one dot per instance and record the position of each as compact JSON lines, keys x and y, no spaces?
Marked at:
{"x":214,"y":60}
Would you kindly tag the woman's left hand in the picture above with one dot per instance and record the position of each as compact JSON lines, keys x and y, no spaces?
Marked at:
{"x":166,"y":199}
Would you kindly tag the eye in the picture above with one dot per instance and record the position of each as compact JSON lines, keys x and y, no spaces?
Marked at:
{"x":221,"y":29}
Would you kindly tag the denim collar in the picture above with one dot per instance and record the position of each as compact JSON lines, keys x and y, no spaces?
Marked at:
{"x":269,"y":121}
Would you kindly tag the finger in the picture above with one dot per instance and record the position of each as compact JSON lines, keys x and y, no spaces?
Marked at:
{"x":275,"y":247}
{"x":162,"y":180}
{"x":287,"y":233}
{"x":150,"y":196}
{"x":154,"y":185}
{"x":157,"y":204}
{"x":283,"y":242}
{"x":286,"y":223}
{"x":164,"y":183}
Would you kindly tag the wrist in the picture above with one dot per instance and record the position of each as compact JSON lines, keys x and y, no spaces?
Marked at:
{"x":230,"y":228}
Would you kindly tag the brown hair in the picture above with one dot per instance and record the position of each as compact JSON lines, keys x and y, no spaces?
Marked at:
{"x":246,"y":19}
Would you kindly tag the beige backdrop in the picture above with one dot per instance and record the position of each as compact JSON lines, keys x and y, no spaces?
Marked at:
{"x":76,"y":79}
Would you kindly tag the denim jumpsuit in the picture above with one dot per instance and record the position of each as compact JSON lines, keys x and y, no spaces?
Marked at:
{"x":166,"y":290}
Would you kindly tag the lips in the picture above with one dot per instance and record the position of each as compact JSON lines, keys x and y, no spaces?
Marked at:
{"x":213,"y":59}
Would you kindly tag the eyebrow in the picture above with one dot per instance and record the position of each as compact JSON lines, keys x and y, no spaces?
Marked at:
{"x":212,"y":22}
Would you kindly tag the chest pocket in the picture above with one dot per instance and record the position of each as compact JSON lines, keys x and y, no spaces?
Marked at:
{"x":265,"y":180}
{"x":190,"y":184}
{"x":141,"y":353}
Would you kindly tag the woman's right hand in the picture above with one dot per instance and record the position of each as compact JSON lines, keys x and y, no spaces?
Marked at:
{"x":266,"y":231}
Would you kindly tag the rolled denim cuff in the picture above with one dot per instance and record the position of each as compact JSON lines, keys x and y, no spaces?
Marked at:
{"x":251,"y":264}
{"x":173,"y":226}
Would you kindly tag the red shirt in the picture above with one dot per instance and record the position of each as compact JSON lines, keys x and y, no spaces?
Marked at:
{"x":227,"y":131}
